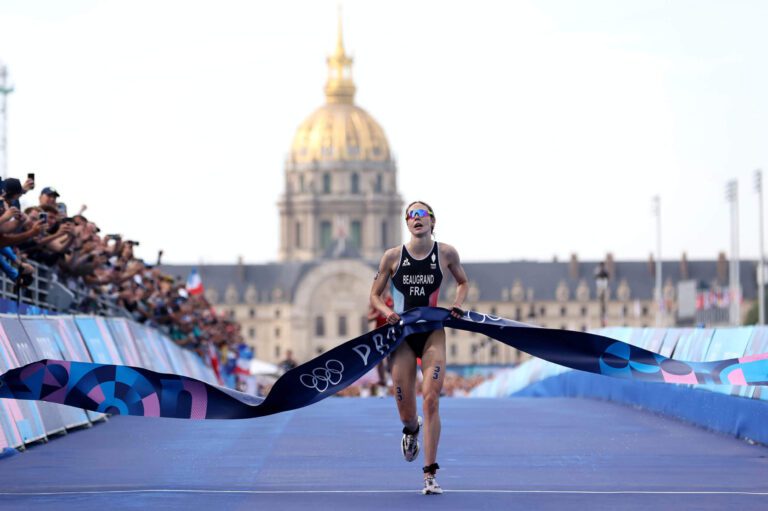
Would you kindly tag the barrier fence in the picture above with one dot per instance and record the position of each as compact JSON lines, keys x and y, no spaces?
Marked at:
{"x":737,"y":410}
{"x":689,"y":344}
{"x":25,"y":339}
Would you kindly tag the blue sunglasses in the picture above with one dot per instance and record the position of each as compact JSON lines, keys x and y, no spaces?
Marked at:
{"x":417,"y":213}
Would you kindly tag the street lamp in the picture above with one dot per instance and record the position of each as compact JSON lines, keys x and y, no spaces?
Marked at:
{"x":601,"y":284}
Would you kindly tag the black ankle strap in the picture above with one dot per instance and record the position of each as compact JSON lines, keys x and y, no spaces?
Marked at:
{"x":431,"y":469}
{"x":407,"y":431}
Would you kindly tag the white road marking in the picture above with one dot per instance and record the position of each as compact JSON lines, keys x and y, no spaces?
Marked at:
{"x":302,"y":492}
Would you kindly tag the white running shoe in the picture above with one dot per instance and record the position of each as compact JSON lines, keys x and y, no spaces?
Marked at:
{"x":410,"y":443}
{"x":431,"y":487}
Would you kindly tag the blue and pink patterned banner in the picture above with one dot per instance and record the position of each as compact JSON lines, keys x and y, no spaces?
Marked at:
{"x":127,"y":390}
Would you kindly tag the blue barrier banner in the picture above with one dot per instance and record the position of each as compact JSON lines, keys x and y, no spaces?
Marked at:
{"x":152,"y":353}
{"x":72,"y":346}
{"x":43,"y":336}
{"x":121,"y":334}
{"x":100,"y":344}
{"x":757,"y":344}
{"x":20,"y":420}
{"x":693,"y":344}
{"x":25,"y":353}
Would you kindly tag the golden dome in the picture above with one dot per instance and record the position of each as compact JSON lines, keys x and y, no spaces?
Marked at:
{"x":339,"y":130}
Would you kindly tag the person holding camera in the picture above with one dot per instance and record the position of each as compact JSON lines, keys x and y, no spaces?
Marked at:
{"x":416,"y":270}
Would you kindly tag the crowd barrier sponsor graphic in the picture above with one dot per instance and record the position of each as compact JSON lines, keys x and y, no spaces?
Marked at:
{"x":137,"y":391}
{"x":43,"y":336}
{"x":26,"y":354}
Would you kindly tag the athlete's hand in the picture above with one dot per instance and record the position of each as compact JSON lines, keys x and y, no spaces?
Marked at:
{"x":456,"y":312}
{"x":393,"y":318}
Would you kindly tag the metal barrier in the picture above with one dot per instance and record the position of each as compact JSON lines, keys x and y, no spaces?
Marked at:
{"x":48,"y":293}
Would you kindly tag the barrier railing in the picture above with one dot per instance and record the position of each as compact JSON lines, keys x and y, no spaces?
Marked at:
{"x":25,"y":339}
{"x":690,"y":344}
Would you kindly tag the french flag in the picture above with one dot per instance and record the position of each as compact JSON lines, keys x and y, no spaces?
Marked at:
{"x":194,"y":283}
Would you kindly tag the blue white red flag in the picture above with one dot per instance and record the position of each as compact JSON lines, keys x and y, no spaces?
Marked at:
{"x":194,"y":283}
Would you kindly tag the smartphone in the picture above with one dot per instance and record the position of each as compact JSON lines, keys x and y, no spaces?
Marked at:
{"x":62,"y":208}
{"x":31,"y":176}
{"x":43,"y":216}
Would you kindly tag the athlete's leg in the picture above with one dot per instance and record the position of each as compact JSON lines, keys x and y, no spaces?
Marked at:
{"x":403,"y":365}
{"x":433,"y":370}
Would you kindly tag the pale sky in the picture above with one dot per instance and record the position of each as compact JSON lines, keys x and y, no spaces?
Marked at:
{"x":534,"y":128}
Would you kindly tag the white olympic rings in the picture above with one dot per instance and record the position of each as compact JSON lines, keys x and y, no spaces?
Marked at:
{"x":323,"y":377}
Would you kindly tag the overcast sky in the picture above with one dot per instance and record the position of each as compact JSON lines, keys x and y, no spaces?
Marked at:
{"x":534,"y":128}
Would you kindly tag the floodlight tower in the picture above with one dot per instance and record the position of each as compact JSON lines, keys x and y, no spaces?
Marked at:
{"x":5,"y":89}
{"x":732,"y":194}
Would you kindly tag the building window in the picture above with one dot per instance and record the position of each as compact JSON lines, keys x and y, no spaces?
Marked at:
{"x":342,"y":326}
{"x":325,"y":234}
{"x":355,"y":184}
{"x":277,"y":333}
{"x":356,"y":233}
{"x":624,"y":310}
{"x":277,"y":313}
{"x":252,"y":333}
{"x":377,"y":187}
{"x":251,"y":313}
{"x":320,"y":350}
{"x":298,"y":234}
{"x":364,"y":324}
{"x":494,"y":351}
{"x":277,"y":351}
{"x":542,"y":311}
{"x":583,"y":328}
{"x":384,"y":240}
{"x":518,"y":314}
{"x":563,"y":311}
{"x":645,"y":310}
{"x":493,"y":311}
{"x":326,"y":183}
{"x":320,"y":326}
{"x":583,"y":311}
{"x":563,"y":327}
{"x":301,"y":182}
{"x":454,"y":349}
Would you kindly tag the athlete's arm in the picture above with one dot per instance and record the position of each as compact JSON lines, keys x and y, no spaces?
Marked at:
{"x":451,"y":258}
{"x":380,"y":284}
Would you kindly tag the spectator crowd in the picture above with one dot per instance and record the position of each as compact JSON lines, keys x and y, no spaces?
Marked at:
{"x":101,"y":270}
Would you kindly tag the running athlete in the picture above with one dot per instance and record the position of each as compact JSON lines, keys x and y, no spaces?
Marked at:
{"x":417,"y":270}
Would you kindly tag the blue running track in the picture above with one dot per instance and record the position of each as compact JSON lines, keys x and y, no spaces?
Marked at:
{"x":527,"y":454}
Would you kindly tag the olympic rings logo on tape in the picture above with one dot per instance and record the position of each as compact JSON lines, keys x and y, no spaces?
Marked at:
{"x":323,"y":377}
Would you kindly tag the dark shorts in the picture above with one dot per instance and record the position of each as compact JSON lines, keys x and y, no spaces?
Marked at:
{"x":417,"y":342}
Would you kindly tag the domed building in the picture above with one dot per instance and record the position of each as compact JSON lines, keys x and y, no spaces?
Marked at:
{"x":340,"y":178}
{"x":340,"y":209}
